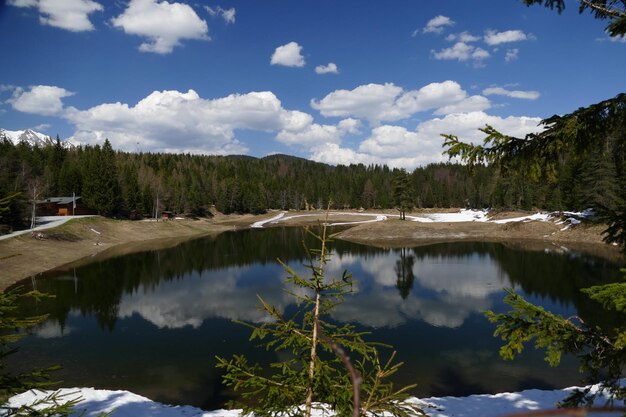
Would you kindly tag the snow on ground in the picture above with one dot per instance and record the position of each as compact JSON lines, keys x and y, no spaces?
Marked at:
{"x":460,"y":216}
{"x":273,"y":219}
{"x":127,"y":404}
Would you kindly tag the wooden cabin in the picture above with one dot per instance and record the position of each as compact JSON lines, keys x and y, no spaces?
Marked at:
{"x":62,"y":206}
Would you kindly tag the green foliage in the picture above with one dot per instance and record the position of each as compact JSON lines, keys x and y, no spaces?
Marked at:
{"x":611,"y":296}
{"x":601,"y":352}
{"x":601,"y":9}
{"x":5,"y":205}
{"x":403,"y":193}
{"x":590,"y":140}
{"x":101,"y":189}
{"x":326,"y":362}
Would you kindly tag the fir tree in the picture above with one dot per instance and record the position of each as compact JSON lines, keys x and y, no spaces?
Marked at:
{"x":320,"y":370}
{"x":402,"y":192}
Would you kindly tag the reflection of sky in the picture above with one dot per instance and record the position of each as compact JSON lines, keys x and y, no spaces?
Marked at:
{"x":446,"y":291}
{"x":52,"y":329}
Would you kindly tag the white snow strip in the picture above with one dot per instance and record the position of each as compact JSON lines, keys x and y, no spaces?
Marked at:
{"x":273,"y":219}
{"x":379,"y":218}
{"x":127,"y":404}
{"x":544,"y":217}
{"x":461,"y":216}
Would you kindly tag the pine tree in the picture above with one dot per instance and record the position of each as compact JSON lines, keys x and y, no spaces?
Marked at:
{"x":320,"y":370}
{"x":101,"y":189}
{"x":601,"y":352}
{"x":402,"y":192}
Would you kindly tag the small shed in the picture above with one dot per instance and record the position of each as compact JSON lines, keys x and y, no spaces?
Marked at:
{"x":167,"y":215}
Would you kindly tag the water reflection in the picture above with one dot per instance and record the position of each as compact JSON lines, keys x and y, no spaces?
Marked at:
{"x":150,"y":322}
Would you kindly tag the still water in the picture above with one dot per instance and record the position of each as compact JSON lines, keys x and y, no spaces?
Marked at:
{"x":153,"y":322}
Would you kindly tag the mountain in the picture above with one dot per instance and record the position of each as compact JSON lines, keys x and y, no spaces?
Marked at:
{"x":32,"y":138}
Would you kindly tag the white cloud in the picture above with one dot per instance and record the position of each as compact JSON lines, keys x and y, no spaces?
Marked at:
{"x":334,"y":154}
{"x":511,"y":55}
{"x":40,"y":99}
{"x":469,"y":104}
{"x":437,"y":24}
{"x":288,"y":55}
{"x":72,"y":15}
{"x":499,"y":91}
{"x":331,"y":68}
{"x":463,"y":37}
{"x":397,"y":146}
{"x":462,"y":51}
{"x":7,"y":87}
{"x":621,"y":39}
{"x":173,"y":121}
{"x":227,"y":14}
{"x":388,"y":102}
{"x":372,"y":101}
{"x":164,"y":24}
{"x":493,"y":38}
{"x":312,"y":135}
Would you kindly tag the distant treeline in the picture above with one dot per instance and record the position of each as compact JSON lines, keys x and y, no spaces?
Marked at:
{"x":119,"y":184}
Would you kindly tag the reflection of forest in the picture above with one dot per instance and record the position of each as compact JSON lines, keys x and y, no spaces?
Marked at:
{"x":404,"y":273}
{"x":102,"y":285}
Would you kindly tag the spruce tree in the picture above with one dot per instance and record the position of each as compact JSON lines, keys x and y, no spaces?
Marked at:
{"x":330,"y":365}
{"x":402,"y":192}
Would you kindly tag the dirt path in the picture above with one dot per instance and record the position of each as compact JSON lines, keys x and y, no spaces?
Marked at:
{"x":94,"y":238}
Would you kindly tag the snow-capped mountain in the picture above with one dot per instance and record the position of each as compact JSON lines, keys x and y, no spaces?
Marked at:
{"x":31,"y":137}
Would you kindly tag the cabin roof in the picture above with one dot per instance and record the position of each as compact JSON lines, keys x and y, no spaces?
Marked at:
{"x":58,"y":200}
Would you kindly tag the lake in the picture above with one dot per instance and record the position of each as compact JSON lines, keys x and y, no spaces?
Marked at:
{"x":152,"y":322}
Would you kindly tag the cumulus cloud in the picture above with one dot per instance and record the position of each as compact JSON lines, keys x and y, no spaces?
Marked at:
{"x":288,"y":55}
{"x":173,"y":121}
{"x":493,"y":38}
{"x":398,"y":146}
{"x":499,"y":91}
{"x":511,"y":55}
{"x":313,"y":135}
{"x":227,"y":14}
{"x":331,"y":68}
{"x":388,"y":102}
{"x":462,"y":51}
{"x":39,"y":99}
{"x":463,"y":37}
{"x":437,"y":24}
{"x":164,"y":24}
{"x":72,"y":15}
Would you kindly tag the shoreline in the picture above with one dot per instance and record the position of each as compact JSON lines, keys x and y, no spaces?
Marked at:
{"x":90,"y":239}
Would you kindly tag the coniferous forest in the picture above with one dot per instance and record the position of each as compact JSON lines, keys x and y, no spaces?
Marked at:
{"x":119,"y":184}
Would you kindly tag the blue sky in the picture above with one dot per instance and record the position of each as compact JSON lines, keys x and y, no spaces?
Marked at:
{"x":334,"y":81}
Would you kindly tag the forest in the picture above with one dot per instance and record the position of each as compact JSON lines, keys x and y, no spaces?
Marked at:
{"x":122,"y":184}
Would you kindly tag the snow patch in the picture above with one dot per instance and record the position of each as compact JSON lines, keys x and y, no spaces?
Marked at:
{"x":127,"y":404}
{"x":273,"y":219}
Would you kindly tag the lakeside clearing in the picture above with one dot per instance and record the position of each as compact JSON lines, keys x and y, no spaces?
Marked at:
{"x":93,"y":238}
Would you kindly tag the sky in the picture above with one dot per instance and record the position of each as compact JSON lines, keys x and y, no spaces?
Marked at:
{"x":351,"y":81}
